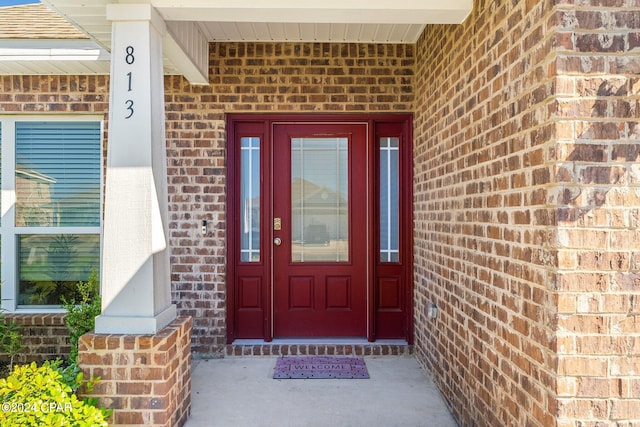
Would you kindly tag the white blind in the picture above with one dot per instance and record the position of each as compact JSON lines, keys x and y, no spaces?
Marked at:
{"x":58,"y":174}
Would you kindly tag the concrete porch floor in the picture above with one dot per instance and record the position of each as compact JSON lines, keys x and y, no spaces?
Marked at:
{"x":240,"y":391}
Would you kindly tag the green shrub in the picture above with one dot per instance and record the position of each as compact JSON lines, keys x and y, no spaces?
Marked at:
{"x":81,"y":314}
{"x":10,"y":338}
{"x":35,"y":396}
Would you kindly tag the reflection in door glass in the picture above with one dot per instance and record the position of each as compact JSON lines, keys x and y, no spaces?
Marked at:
{"x":319,"y":200}
{"x":389,"y":201}
{"x":250,"y":199}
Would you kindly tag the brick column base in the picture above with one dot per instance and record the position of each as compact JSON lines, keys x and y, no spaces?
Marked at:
{"x":146,"y":379}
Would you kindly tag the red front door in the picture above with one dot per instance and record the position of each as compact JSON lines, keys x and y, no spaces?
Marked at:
{"x":320,"y":230}
{"x":319,"y":226}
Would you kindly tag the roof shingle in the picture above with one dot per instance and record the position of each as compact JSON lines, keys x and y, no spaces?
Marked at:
{"x":35,"y":21}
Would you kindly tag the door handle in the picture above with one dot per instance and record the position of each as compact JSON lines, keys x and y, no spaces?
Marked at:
{"x":277,"y":241}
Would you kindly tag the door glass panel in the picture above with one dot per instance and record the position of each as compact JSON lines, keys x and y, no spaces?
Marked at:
{"x":389,"y":200}
{"x":319,"y":200}
{"x":250,"y":199}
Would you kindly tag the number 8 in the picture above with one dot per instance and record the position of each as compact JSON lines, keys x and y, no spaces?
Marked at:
{"x":129,"y":59}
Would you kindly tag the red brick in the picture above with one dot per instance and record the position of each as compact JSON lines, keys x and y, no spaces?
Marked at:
{"x":132,"y":380}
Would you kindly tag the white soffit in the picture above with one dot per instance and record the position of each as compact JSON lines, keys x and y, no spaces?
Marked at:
{"x":310,"y":32}
{"x":53,"y":67}
{"x":314,"y":11}
{"x":371,"y":21}
{"x":343,"y":21}
{"x":51,"y":50}
{"x":33,"y":40}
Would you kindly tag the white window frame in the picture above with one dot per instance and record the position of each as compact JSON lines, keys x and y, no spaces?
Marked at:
{"x":8,"y":230}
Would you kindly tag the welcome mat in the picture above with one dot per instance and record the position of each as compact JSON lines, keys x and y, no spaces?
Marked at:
{"x":317,"y":367}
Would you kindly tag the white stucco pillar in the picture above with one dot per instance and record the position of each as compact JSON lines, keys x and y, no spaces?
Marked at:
{"x":136,"y":283}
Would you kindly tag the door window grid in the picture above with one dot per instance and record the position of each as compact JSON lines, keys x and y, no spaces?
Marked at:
{"x":250,"y":199}
{"x":389,"y":200}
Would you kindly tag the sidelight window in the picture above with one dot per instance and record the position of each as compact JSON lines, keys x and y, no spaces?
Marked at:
{"x":389,"y":200}
{"x":250,"y":199}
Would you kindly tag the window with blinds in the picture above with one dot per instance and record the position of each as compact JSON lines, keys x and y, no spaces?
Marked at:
{"x":55,"y":229}
{"x":57,"y":174}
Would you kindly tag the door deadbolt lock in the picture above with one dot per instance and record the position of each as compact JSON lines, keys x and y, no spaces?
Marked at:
{"x":277,"y":224}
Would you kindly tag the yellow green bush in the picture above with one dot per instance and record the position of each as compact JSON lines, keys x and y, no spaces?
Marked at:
{"x":39,"y":396}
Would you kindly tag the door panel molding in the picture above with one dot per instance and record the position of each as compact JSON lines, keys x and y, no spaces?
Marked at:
{"x":321,"y":192}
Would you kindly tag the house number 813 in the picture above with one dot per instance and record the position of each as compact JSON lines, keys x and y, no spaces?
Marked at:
{"x":129,"y":59}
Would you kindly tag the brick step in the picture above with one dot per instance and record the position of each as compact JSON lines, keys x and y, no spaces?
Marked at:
{"x":314,"y":348}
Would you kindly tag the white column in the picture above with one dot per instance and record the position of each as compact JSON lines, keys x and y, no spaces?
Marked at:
{"x":136,"y":282}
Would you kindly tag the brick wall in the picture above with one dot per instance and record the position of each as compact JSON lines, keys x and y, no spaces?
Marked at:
{"x":245,"y":77}
{"x":597,"y":64}
{"x":45,"y":337}
{"x":255,"y":77}
{"x":526,"y":209}
{"x":145,"y":379}
{"x":483,"y":238}
{"x":54,"y":94}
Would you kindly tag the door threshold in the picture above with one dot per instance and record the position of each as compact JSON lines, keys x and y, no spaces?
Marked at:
{"x":308,"y":341}
{"x":319,"y":347}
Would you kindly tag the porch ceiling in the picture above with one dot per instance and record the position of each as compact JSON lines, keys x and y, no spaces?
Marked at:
{"x":345,"y":21}
{"x":370,"y":21}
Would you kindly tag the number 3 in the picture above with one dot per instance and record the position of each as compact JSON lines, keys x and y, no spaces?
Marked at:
{"x":129,"y":108}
